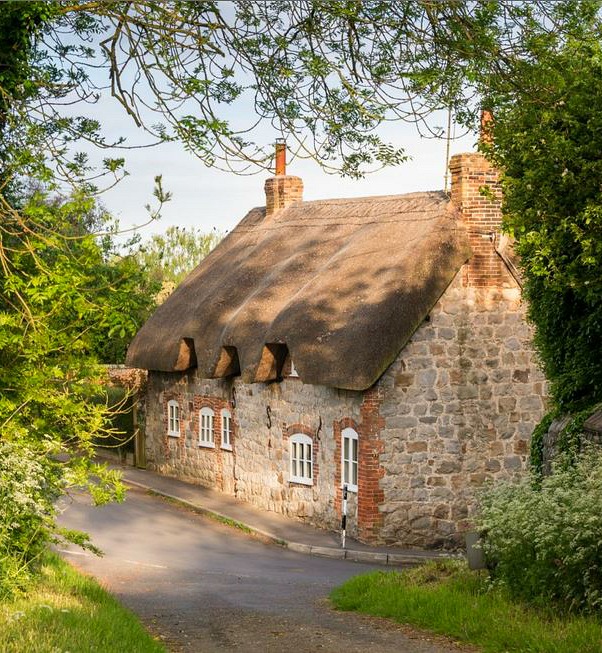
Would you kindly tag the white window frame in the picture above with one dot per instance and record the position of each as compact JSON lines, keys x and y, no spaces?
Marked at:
{"x":301,"y":448}
{"x":349,"y":463}
{"x":173,"y":418}
{"x":206,"y":432}
{"x":226,"y":418}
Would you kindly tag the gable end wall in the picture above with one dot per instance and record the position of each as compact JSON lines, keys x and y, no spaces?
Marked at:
{"x":460,"y":404}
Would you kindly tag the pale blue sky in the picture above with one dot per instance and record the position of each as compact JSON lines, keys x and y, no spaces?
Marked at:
{"x":209,"y":198}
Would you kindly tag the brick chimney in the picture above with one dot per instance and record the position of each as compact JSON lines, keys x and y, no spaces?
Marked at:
{"x":282,"y":190}
{"x":481,"y":213}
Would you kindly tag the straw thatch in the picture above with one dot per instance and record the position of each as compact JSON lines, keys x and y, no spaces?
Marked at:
{"x":342,"y":283}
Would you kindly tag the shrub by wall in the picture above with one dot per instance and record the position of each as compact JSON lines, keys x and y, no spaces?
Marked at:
{"x":543,"y":540}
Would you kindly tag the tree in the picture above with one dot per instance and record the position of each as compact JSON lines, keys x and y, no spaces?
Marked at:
{"x":168,"y":258}
{"x":49,"y":315}
{"x":325,"y":74}
{"x":547,"y":141}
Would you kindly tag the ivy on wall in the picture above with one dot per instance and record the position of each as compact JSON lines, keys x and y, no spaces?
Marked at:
{"x":569,"y":443}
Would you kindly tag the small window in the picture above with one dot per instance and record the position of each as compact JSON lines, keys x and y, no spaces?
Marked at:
{"x":226,"y":430}
{"x":301,"y":449}
{"x":206,"y":437}
{"x":173,"y":418}
{"x":350,"y":459}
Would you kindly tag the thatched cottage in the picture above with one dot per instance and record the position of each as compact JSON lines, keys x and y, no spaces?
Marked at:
{"x":377,"y":342}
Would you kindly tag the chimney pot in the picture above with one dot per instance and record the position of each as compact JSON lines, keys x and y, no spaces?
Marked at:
{"x":280,"y":157}
{"x":485,"y":133}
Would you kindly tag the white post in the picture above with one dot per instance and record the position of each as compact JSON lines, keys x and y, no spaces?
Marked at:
{"x":344,"y":516}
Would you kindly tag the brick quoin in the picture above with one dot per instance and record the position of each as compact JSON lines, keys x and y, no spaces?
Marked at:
{"x":370,"y":495}
{"x":481,"y":215}
{"x":337,"y":430}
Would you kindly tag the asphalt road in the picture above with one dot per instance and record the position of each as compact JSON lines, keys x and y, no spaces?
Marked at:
{"x":204,"y":587}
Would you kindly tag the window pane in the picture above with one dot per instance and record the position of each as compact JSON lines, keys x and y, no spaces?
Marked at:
{"x":345,"y":449}
{"x":354,"y":454}
{"x":354,"y":473}
{"x":301,"y":458}
{"x":294,"y":459}
{"x":173,"y":418}
{"x":225,"y":429}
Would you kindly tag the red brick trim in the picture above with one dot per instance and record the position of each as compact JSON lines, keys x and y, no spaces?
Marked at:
{"x":292,"y":429}
{"x":337,"y":430}
{"x":217,"y":404}
{"x":370,"y":495}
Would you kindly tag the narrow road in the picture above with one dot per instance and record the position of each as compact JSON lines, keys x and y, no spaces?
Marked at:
{"x":204,"y":587}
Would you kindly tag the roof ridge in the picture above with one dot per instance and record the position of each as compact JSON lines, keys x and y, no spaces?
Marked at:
{"x":382,"y":198}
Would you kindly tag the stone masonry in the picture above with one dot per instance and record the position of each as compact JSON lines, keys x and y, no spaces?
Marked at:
{"x":459,"y":407}
{"x":455,"y":410}
{"x":258,"y":467}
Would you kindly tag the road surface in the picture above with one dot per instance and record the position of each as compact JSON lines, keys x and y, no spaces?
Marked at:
{"x":203,"y":586}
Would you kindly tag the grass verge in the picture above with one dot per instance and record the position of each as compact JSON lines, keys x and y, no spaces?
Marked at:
{"x":65,"y":611}
{"x":446,"y":598}
{"x":221,"y":519}
{"x":226,"y":521}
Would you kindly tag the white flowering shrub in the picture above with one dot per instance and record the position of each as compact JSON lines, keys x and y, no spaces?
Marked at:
{"x":27,"y":491}
{"x":32,"y":478}
{"x":544,"y":541}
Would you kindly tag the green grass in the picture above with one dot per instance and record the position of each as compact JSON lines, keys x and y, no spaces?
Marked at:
{"x":446,"y":598}
{"x":65,"y":611}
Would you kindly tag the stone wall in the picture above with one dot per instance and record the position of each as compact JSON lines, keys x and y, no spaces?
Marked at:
{"x":459,"y":407}
{"x":258,"y":467}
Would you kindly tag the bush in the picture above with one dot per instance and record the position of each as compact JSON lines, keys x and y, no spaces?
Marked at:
{"x":26,"y":512}
{"x":31,"y":481}
{"x":544,"y":542}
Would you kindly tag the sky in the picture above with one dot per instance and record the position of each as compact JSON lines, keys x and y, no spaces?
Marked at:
{"x":210,"y":199}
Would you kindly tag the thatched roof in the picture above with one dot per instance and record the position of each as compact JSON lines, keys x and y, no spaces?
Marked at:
{"x":342,"y":283}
